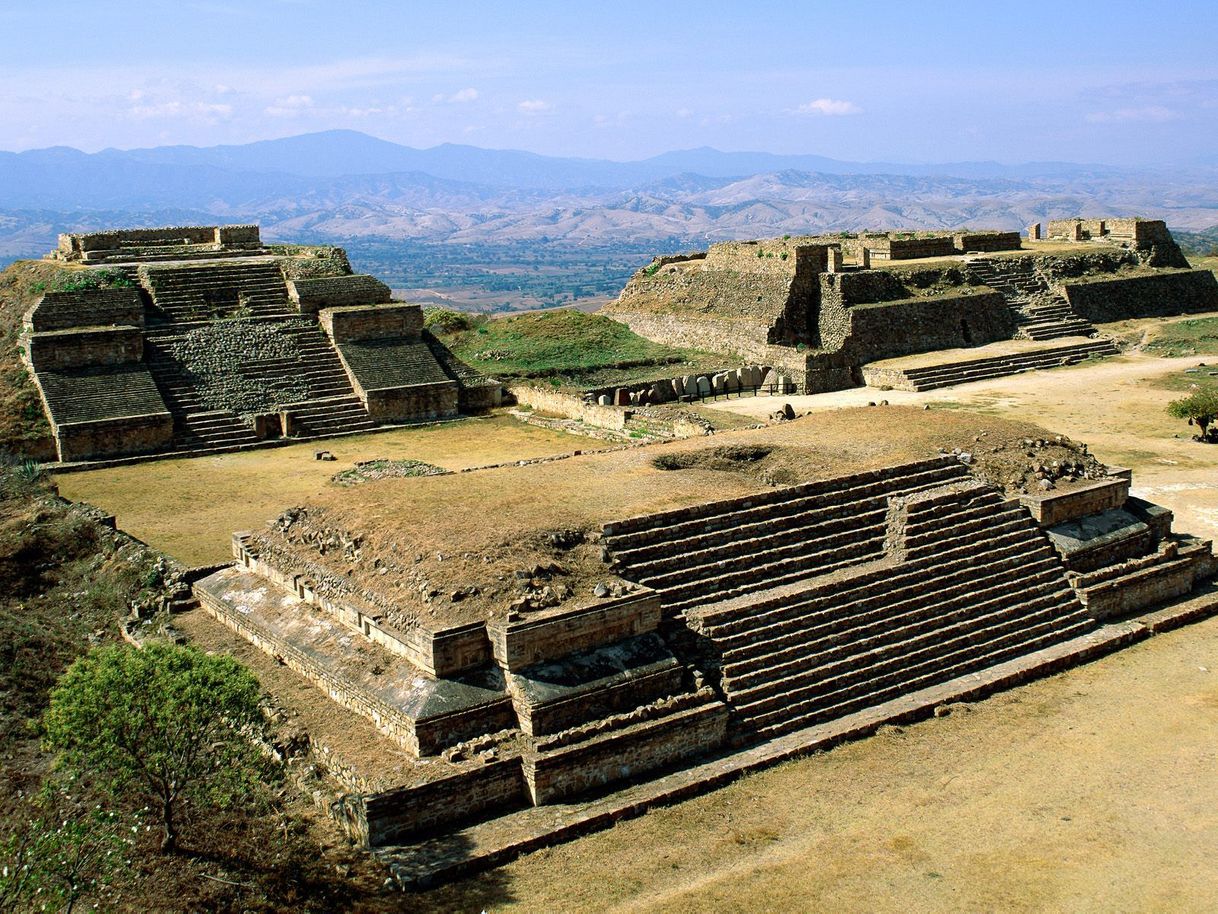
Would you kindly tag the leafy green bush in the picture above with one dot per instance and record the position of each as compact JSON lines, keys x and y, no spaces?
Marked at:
{"x":164,"y":721}
{"x":1199,"y":408}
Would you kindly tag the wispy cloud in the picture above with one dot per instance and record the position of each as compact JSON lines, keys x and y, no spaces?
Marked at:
{"x":289,"y":106}
{"x":829,"y":107}
{"x":459,"y":97}
{"x":1150,"y":114}
{"x":534,"y":106}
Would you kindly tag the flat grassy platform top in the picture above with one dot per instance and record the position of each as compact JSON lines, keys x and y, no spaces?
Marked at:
{"x":423,"y":540}
{"x":563,"y":342}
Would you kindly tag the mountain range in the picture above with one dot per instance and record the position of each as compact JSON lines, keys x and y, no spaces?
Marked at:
{"x":344,"y":185}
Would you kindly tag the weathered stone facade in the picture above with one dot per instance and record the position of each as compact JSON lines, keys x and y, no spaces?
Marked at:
{"x":200,"y":338}
{"x":794,"y":303}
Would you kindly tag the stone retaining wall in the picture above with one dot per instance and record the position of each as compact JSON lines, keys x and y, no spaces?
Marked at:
{"x":115,"y":437}
{"x":1051,"y":508}
{"x":516,"y":645}
{"x":618,"y":755}
{"x":388,"y":818}
{"x":311,"y":295}
{"x":93,"y":308}
{"x":371,"y":322}
{"x":79,"y":348}
{"x":1154,"y":295}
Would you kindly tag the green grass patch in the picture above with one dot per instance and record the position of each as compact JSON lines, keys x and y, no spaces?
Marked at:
{"x":549,"y":343}
{"x":1198,"y":336}
{"x":1190,"y":379}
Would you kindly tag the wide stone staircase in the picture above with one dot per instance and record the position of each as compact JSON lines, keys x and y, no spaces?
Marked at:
{"x":714,"y":552}
{"x":209,"y":290}
{"x":1039,"y":312}
{"x":949,"y":374}
{"x":966,"y":580}
{"x":331,"y":406}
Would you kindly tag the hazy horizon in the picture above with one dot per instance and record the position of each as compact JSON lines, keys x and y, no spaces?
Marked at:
{"x":1116,"y":83}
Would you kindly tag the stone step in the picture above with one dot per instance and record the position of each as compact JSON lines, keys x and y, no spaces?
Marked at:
{"x":746,"y":664}
{"x":977,"y":649}
{"x":735,"y":626}
{"x":799,"y":718}
{"x":675,"y":536}
{"x":664,"y":521}
{"x":829,"y":646}
{"x":768,"y":575}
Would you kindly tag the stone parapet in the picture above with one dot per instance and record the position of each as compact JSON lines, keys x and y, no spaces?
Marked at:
{"x":312,"y":295}
{"x":1059,"y":506}
{"x":84,"y":346}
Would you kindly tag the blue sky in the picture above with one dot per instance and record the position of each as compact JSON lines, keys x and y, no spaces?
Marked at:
{"x":1074,"y":80}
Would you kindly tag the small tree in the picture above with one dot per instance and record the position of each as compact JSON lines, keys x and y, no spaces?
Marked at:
{"x":1200,"y":409}
{"x":164,"y":719}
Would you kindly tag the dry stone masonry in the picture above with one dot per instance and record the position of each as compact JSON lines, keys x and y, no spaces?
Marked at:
{"x":819,"y":309}
{"x":715,"y":625}
{"x":206,"y":339}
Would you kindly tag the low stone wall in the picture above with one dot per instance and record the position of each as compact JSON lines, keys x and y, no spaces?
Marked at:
{"x":80,"y":348}
{"x":121,"y":436}
{"x":388,"y":818}
{"x":371,"y":322}
{"x":516,"y":645}
{"x":570,"y":407}
{"x":94,"y":308}
{"x":910,"y":248}
{"x":987,"y":241}
{"x":616,"y":756}
{"x":412,"y":403}
{"x":312,"y":295}
{"x":1056,"y":507}
{"x":1154,"y":295}
{"x":630,"y":691}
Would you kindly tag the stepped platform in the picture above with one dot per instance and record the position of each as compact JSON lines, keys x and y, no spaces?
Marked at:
{"x":949,"y":367}
{"x":248,"y":287}
{"x":1040,"y":312}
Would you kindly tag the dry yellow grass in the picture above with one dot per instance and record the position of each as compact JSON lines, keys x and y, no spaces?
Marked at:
{"x":189,"y":508}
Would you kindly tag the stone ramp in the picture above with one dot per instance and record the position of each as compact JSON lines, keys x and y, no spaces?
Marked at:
{"x":967,"y":580}
{"x":723,"y":549}
{"x":962,"y":366}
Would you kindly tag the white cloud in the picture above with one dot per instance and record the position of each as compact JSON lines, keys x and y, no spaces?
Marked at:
{"x":830,"y":107}
{"x":534,"y":106}
{"x":207,"y":112}
{"x":683,"y":113}
{"x":289,"y":106}
{"x":457,"y":98}
{"x":1151,"y":114}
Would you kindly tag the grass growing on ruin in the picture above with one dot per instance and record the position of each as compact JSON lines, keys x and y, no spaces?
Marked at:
{"x":550,"y":343}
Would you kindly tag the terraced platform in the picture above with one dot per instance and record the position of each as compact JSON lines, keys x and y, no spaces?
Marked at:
{"x":930,"y":371}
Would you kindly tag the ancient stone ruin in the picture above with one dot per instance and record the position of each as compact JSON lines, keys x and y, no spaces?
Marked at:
{"x":201,"y":338}
{"x":827,"y":312}
{"x":648,"y":610}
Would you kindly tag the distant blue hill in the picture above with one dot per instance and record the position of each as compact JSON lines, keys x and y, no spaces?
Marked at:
{"x":190,"y":176}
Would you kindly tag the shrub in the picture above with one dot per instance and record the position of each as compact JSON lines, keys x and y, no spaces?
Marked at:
{"x":165,"y":721}
{"x":1200,"y":409}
